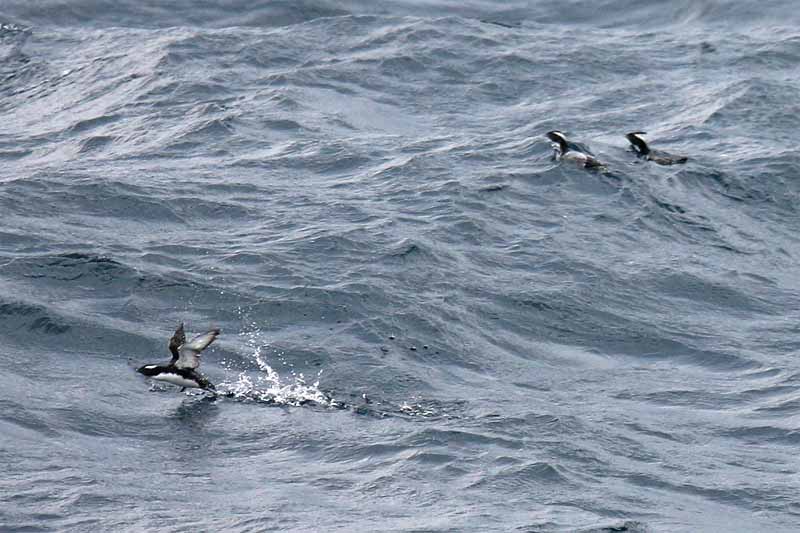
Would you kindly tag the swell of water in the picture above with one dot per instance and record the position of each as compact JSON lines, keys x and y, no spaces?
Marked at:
{"x":428,"y":324}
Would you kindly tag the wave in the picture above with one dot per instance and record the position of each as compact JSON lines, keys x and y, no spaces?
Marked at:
{"x":505,"y":15}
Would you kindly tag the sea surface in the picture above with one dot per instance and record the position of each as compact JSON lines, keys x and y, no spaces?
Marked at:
{"x":428,"y":324}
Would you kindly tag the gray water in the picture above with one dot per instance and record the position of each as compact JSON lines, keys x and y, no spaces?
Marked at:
{"x":427,"y":324}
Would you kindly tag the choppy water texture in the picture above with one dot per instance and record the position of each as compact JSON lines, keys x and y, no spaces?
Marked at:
{"x":428,"y":325}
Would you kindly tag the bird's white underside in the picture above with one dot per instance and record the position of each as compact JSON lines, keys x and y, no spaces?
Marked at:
{"x":175,"y":379}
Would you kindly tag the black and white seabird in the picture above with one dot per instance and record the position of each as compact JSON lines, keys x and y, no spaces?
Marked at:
{"x":566,"y":150}
{"x":182,"y":369}
{"x":656,"y":156}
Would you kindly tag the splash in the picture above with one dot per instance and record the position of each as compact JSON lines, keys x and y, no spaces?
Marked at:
{"x":292,"y":389}
{"x":417,"y":409}
{"x":267,"y":385}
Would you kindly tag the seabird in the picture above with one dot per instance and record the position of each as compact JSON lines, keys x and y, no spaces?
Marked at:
{"x":656,"y":156}
{"x":182,"y":369}
{"x":564,"y":149}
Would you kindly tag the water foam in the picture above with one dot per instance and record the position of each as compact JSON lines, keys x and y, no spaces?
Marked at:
{"x":267,"y":385}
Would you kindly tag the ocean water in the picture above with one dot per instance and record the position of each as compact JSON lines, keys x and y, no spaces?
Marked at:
{"x":428,"y":325}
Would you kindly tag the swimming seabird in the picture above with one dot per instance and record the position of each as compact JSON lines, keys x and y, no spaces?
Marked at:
{"x":576,"y":152}
{"x":656,"y":156}
{"x":182,"y":369}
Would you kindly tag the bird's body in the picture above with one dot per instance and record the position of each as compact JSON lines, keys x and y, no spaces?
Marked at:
{"x":564,"y":150}
{"x":182,"y":369}
{"x":656,"y":156}
{"x":183,"y":377}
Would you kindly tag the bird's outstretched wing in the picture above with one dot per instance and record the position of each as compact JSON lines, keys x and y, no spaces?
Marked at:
{"x":190,"y":351}
{"x":637,"y":142}
{"x":178,"y":338}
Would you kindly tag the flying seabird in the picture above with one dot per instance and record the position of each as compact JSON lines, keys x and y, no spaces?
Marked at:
{"x":182,"y":369}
